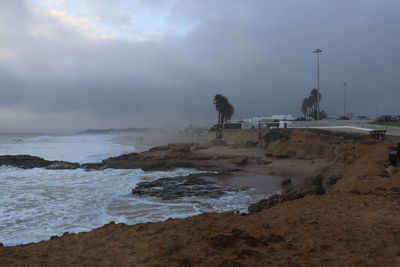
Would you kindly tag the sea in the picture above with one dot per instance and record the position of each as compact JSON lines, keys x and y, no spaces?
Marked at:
{"x":36,"y":204}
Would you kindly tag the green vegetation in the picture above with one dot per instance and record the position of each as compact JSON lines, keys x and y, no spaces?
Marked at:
{"x":387,"y":123}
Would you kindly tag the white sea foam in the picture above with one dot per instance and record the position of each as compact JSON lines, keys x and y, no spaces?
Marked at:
{"x":38,"y":203}
{"x":76,"y":148}
{"x":33,"y":138}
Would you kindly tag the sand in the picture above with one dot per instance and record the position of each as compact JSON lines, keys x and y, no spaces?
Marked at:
{"x":265,"y":178}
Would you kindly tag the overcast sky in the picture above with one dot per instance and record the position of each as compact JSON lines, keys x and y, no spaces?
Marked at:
{"x":70,"y":65}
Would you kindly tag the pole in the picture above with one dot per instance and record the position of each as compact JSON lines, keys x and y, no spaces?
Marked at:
{"x":318,"y":86}
{"x":250,"y":116}
{"x":317,"y":51}
{"x":195,"y":137}
{"x":344,"y":99}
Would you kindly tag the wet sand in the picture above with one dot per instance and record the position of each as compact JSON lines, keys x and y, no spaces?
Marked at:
{"x":264,"y":178}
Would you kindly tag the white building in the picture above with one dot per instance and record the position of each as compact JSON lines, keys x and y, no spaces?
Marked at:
{"x":274,"y":121}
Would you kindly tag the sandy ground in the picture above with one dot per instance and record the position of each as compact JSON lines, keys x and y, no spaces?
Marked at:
{"x":265,"y":178}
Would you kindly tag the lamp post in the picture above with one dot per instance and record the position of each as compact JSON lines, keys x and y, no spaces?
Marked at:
{"x":317,"y":51}
{"x":344,"y":99}
{"x":250,"y":102}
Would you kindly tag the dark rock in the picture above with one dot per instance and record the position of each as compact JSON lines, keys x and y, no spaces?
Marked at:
{"x":241,"y":161}
{"x":180,"y":147}
{"x":159,"y":148}
{"x":182,"y":186}
{"x":286,"y":182}
{"x":24,"y":161}
{"x":1,"y":245}
{"x":126,"y":161}
{"x":301,"y":191}
{"x":93,"y":166}
{"x":153,"y":165}
{"x":262,"y":161}
{"x":176,"y":156}
{"x":287,"y":195}
{"x":63,"y":165}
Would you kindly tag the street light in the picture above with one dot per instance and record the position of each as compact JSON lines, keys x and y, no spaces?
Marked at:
{"x":250,"y":114}
{"x":344,"y":99}
{"x":317,"y":51}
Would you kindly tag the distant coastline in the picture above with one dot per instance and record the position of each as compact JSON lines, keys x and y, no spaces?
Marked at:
{"x":112,"y":130}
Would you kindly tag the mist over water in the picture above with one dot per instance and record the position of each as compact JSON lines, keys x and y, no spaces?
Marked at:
{"x":38,"y":203}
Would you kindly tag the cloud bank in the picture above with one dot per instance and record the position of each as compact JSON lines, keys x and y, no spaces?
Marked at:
{"x":70,"y":65}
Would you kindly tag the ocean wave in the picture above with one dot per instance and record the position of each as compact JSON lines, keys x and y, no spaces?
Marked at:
{"x":38,"y":138}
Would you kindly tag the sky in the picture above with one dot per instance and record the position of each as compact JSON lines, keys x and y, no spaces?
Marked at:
{"x":68,"y":65}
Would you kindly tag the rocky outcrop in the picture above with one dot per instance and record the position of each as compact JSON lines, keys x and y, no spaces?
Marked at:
{"x":322,"y":182}
{"x":24,"y":161}
{"x":287,"y":195}
{"x":198,"y":185}
{"x":146,"y":161}
{"x":327,"y":176}
{"x":29,"y":162}
{"x":341,"y":148}
{"x":159,"y":158}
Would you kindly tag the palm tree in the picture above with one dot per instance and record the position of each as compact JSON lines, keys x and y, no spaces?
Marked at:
{"x":219,"y":103}
{"x":304,"y":107}
{"x":314,"y":102}
{"x":309,"y":105}
{"x":227,"y":111}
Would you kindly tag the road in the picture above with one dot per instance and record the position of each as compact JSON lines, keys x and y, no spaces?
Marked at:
{"x":360,"y":126}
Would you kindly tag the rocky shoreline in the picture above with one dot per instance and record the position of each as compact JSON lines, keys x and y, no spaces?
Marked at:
{"x":163,"y":158}
{"x":346,"y":214}
{"x":179,"y":155}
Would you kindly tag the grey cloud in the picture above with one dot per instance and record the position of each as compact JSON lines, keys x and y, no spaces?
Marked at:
{"x":258,"y":50}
